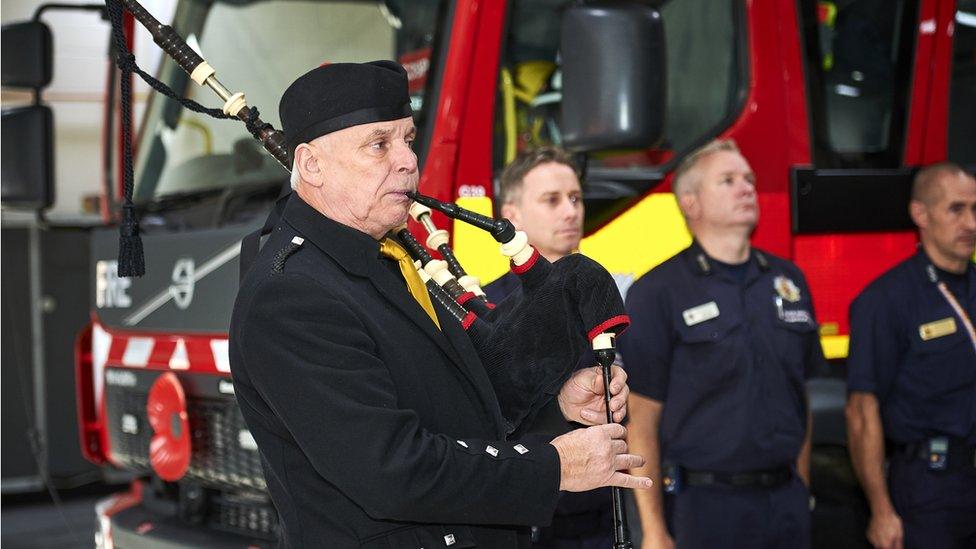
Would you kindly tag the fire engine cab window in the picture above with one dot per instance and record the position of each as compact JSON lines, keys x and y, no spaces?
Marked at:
{"x":704,"y":80}
{"x":258,"y":47}
{"x":962,"y":94}
{"x":859,"y":60}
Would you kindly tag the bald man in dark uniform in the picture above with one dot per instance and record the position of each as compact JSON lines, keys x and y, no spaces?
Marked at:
{"x":376,"y":422}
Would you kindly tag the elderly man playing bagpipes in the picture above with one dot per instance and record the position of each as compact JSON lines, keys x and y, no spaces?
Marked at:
{"x":390,"y":411}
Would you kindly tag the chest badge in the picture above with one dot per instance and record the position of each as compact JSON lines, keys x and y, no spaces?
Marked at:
{"x":701,"y":313}
{"x":787,"y":289}
{"x":939,"y":328}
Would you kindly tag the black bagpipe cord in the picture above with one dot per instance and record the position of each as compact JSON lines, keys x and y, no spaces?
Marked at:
{"x":131,"y":257}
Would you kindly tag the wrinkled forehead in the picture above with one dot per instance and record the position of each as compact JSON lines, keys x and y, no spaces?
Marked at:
{"x":402,"y":127}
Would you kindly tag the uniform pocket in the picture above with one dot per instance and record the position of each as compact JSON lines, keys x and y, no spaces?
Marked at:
{"x":706,"y":352}
{"x":793,"y":341}
{"x":422,"y":537}
{"x":934,"y":372}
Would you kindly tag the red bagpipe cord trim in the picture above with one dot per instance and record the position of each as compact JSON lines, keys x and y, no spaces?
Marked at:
{"x":609,"y":323}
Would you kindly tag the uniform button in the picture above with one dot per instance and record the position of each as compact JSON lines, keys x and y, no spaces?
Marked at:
{"x":714,"y":335}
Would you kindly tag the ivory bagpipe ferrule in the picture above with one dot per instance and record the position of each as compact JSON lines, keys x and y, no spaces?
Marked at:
{"x":437,"y":270}
{"x":437,"y":239}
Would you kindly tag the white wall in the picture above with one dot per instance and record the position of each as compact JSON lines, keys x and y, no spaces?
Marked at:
{"x":77,"y":93}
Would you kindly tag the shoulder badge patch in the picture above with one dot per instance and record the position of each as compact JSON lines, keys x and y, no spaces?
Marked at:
{"x":278,"y":262}
{"x":787,"y":289}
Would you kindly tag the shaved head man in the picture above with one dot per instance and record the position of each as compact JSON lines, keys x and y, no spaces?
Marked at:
{"x":911,"y":376}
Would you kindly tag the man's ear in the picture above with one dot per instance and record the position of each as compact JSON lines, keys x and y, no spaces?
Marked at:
{"x":920,"y":214}
{"x":511,"y":212}
{"x":308,"y":165}
{"x":690,"y":206}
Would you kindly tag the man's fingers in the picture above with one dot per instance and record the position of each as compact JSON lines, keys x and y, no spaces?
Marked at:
{"x":614,"y":430}
{"x":619,"y":401}
{"x":624,"y":480}
{"x":618,"y":446}
{"x":627,"y":461}
{"x":619,"y":416}
{"x":618,"y":379}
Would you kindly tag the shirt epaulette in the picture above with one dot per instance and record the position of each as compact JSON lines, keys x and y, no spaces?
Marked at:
{"x":278,"y":263}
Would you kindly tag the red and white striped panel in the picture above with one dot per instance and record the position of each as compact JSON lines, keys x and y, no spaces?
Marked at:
{"x":186,"y":352}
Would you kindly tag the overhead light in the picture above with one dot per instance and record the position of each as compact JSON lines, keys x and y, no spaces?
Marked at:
{"x":966,"y":19}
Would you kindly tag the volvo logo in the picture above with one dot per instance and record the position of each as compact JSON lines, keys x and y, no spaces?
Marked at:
{"x":182,"y":288}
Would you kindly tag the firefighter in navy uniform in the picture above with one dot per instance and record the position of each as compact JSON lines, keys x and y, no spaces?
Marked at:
{"x":540,"y":194}
{"x":723,"y":337}
{"x":376,"y":422}
{"x":912,"y":376}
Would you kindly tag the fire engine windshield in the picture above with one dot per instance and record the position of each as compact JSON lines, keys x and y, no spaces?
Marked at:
{"x":259,"y":47}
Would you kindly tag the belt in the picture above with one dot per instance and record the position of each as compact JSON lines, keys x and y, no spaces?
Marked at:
{"x":957,"y":453}
{"x":762,"y":479}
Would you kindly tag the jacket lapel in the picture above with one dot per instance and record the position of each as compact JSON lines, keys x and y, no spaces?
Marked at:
{"x":396,"y":293}
{"x":358,"y":254}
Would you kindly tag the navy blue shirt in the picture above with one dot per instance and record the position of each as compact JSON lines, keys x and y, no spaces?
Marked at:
{"x":728,"y":356}
{"x":911,"y":350}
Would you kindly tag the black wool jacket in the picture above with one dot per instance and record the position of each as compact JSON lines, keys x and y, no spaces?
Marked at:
{"x":375,"y":429}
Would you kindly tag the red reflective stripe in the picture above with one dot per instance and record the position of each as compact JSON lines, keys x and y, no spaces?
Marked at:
{"x":463,"y":298}
{"x":603,"y":326}
{"x":468,"y":320}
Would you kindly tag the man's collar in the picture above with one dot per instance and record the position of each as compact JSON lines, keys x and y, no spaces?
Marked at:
{"x":703,"y":265}
{"x":925,"y":266}
{"x":352,"y":249}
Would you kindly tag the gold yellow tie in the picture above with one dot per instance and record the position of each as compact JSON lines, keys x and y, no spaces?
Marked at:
{"x":418,"y":290}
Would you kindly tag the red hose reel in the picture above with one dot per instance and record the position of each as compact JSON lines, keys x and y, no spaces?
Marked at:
{"x":169,"y":449}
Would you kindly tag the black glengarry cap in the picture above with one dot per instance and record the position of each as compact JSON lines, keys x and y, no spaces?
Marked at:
{"x":341,"y":95}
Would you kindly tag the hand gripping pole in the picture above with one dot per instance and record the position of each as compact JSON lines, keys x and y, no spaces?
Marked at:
{"x":605,"y":349}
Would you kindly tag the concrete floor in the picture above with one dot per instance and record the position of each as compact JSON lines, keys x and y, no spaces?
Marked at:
{"x":34,"y":521}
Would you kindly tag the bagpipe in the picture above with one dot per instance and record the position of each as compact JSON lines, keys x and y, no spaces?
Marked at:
{"x":529,"y":344}
{"x":532,"y":340}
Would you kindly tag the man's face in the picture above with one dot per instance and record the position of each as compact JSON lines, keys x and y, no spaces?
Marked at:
{"x":726,"y":193}
{"x":365,"y":171}
{"x":549,"y":209}
{"x":949,"y":222}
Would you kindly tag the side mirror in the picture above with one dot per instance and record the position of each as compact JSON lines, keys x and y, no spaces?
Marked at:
{"x":27,"y":162}
{"x":614,"y":68}
{"x":26,"y":55}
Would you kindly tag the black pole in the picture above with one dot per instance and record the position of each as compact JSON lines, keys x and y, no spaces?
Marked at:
{"x":621,"y":532}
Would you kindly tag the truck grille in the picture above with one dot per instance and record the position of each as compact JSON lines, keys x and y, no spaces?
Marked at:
{"x":244,"y":514}
{"x":223,"y":452}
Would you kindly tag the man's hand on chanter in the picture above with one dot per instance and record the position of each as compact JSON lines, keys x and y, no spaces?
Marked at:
{"x":581,"y":397}
{"x":594,"y":457}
